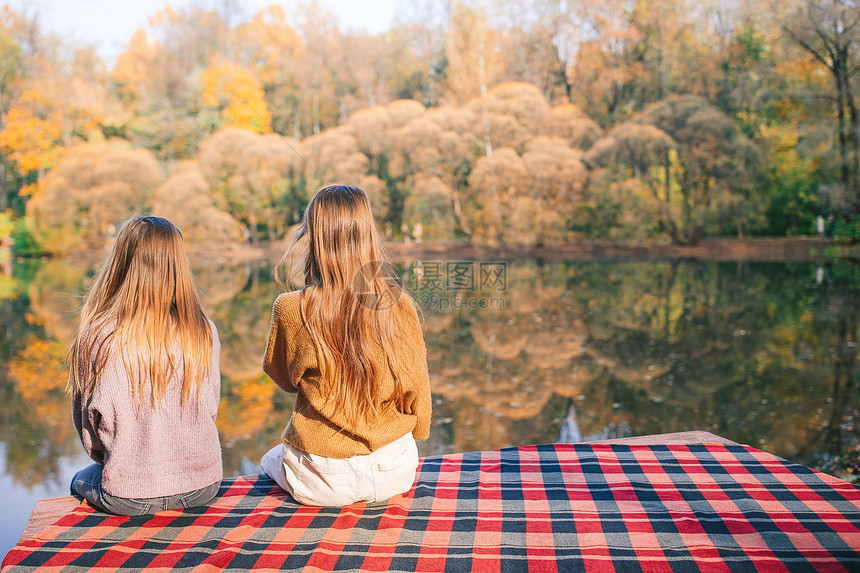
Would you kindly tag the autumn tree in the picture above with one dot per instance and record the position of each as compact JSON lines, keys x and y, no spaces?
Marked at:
{"x":268,"y":188}
{"x":320,"y":72}
{"x":334,"y":156}
{"x":32,"y":134}
{"x":587,"y":41}
{"x":186,"y":42}
{"x":429,"y":204}
{"x":11,"y":72}
{"x":237,"y":96}
{"x":158,"y":79}
{"x":137,"y":75}
{"x":92,"y":187}
{"x":495,"y":185}
{"x":187,"y":200}
{"x":628,"y":186}
{"x":261,"y":180}
{"x":418,"y":33}
{"x":273,"y":50}
{"x":511,"y":114}
{"x":48,"y":101}
{"x":438,"y":150}
{"x":375,"y":132}
{"x":559,"y":180}
{"x":527,"y":49}
{"x":219,"y":156}
{"x":41,"y":122}
{"x":693,"y":162}
{"x":570,"y":123}
{"x":473,"y":63}
{"x":660,"y":31}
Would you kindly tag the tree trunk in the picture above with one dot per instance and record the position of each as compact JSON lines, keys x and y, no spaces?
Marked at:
{"x":458,"y":212}
{"x":853,"y":141}
{"x":4,"y":199}
{"x":252,"y":227}
{"x":844,"y":164}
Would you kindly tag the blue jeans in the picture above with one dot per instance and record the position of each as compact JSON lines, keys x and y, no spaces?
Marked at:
{"x":87,"y":484}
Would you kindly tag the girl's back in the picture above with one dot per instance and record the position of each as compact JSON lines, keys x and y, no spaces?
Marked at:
{"x":147,"y":450}
{"x":350,"y":344}
{"x":145,"y":379}
{"x":320,"y":423}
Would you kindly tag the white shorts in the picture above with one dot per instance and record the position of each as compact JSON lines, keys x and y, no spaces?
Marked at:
{"x":332,"y":482}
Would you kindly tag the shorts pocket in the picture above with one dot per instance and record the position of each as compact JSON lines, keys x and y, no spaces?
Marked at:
{"x":395,"y":475}
{"x":320,"y":483}
{"x":323,"y":466}
{"x":395,"y":462}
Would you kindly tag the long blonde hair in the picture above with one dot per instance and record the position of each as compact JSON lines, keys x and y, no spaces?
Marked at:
{"x":142,"y":304}
{"x":351,"y":300}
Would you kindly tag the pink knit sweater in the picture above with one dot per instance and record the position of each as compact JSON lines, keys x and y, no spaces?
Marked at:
{"x":148,"y":452}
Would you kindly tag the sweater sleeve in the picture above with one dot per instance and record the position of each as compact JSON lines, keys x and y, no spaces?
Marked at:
{"x":214,"y":374}
{"x":87,"y":420}
{"x":275,"y":362}
{"x":88,"y":423}
{"x":422,"y":405}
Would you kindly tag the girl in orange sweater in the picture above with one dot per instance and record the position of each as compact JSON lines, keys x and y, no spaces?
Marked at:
{"x":349,"y":344}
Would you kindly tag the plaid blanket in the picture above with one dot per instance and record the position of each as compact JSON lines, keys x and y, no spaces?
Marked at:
{"x":561,"y":507}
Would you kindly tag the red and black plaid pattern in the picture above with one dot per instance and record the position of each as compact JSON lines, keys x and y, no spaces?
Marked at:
{"x":562,"y":507}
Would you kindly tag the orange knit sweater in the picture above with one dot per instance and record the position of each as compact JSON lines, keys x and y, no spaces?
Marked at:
{"x":317,"y":425}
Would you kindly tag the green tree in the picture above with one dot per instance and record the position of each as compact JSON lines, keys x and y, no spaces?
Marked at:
{"x":830,"y":31}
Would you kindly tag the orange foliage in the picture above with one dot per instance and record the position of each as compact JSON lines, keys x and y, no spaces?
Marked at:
{"x":187,"y":200}
{"x":92,"y":187}
{"x":34,"y":126}
{"x":136,"y":67}
{"x":40,"y":378}
{"x":246,"y":408}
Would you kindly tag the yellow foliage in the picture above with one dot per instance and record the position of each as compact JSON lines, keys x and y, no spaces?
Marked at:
{"x":40,"y":378}
{"x":32,"y":132}
{"x":246,"y":408}
{"x":237,"y":94}
{"x":269,"y":45}
{"x":135,"y":67}
{"x":9,"y":287}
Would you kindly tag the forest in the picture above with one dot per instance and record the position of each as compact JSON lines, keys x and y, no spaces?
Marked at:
{"x":500,"y":121}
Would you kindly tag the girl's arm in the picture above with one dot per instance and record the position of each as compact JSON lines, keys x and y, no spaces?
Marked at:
{"x":214,"y":374}
{"x":422,"y":405}
{"x":275,"y":362}
{"x":88,"y":422}
{"x":423,"y":408}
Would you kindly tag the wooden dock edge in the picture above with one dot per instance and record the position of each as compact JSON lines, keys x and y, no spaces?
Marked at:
{"x":47,"y":511}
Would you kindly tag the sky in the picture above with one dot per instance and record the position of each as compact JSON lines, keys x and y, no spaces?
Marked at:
{"x":109,"y":24}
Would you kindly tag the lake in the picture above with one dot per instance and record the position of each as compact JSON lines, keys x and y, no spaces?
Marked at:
{"x":519,"y":353}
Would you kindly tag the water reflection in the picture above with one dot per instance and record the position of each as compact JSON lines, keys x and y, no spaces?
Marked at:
{"x":764,"y":354}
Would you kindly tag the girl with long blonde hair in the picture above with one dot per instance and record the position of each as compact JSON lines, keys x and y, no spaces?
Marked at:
{"x":349,"y":344}
{"x":145,"y":380}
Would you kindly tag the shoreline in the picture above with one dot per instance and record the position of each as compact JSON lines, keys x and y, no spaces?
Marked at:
{"x":759,"y":249}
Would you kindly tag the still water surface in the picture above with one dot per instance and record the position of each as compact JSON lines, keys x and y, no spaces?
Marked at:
{"x":519,"y":353}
